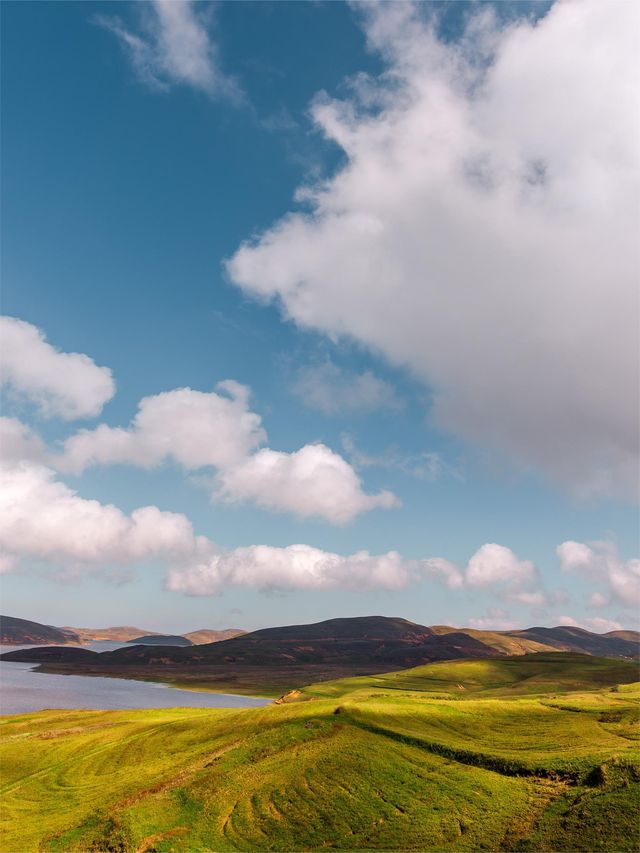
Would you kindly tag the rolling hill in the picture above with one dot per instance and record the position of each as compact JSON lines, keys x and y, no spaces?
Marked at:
{"x":272,"y":661}
{"x":119,"y":633}
{"x":206,"y":635}
{"x":403,"y":761}
{"x":561,"y":638}
{"x":161,"y":640}
{"x":632,"y":636}
{"x":18,"y":632}
{"x":377,"y":640}
{"x":571,"y":639}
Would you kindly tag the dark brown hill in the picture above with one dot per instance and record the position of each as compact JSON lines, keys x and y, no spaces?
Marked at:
{"x":376,"y":643}
{"x":360,"y":640}
{"x":377,"y":640}
{"x":53,"y":654}
{"x":22,"y":632}
{"x":356,"y":627}
{"x":161,"y":640}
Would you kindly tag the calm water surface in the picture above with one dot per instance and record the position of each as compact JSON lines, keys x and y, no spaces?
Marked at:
{"x":23,"y":690}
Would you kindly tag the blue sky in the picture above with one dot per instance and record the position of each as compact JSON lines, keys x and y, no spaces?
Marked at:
{"x":429,"y":319}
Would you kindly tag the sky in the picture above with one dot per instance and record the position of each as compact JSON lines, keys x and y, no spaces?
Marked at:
{"x":320,"y":309}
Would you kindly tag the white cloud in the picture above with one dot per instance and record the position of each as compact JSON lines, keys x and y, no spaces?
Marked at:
{"x":574,"y":555}
{"x":293,"y":567}
{"x":218,"y":430}
{"x":335,"y":390}
{"x":596,"y":624}
{"x":492,"y":567}
{"x":312,"y":481}
{"x":194,"y":428}
{"x":304,"y":567}
{"x":7,"y":564}
{"x":41,"y":518}
{"x":495,"y":620}
{"x":19,"y":442}
{"x":600,"y":562}
{"x":443,"y":570}
{"x":173,"y":46}
{"x":597,"y":600}
{"x":493,"y":564}
{"x":532,"y":598}
{"x":482,"y":232}
{"x":62,"y":384}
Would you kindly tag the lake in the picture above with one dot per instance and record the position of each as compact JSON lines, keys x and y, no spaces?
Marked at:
{"x":23,"y":690}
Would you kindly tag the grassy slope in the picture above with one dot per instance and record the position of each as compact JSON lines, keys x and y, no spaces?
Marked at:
{"x":508,"y":676}
{"x":371,"y":777}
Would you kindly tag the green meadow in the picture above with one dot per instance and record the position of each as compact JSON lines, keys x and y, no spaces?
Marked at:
{"x":537,"y":753}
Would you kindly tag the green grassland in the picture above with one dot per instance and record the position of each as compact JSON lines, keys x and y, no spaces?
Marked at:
{"x":539,"y":753}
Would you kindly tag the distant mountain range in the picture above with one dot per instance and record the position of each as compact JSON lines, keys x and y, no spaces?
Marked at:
{"x":121,"y":633}
{"x":22,"y":632}
{"x":370,"y":640}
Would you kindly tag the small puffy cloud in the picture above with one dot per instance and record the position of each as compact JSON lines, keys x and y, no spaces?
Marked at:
{"x":312,"y":481}
{"x":443,"y":570}
{"x":495,"y":620}
{"x":575,"y":555}
{"x":41,"y":518}
{"x":597,"y":600}
{"x":66,"y":385}
{"x":600,"y":562}
{"x":193,"y":428}
{"x":492,"y":567}
{"x":293,"y":567}
{"x":532,"y":598}
{"x":173,"y":46}
{"x":493,"y":564}
{"x":335,"y":390}
{"x":18,"y":442}
{"x":480,"y":230}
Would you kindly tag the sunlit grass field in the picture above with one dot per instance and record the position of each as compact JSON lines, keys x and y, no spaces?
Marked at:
{"x":534,"y":753}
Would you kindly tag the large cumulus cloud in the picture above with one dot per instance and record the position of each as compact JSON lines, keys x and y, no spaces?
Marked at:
{"x":482,"y":232}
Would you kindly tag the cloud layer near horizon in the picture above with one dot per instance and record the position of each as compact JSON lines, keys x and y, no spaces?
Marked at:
{"x":44,"y":520}
{"x":481,"y":232}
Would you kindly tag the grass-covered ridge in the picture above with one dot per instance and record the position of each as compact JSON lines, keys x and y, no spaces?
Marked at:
{"x":451,"y":756}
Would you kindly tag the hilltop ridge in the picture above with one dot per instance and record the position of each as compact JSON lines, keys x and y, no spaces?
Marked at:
{"x":366,"y":641}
